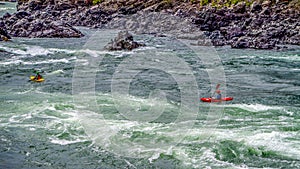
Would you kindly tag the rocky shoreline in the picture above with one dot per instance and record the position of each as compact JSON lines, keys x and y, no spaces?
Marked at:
{"x":260,"y":25}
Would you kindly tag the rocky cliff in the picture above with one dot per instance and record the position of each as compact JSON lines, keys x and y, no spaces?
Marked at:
{"x":241,"y":24}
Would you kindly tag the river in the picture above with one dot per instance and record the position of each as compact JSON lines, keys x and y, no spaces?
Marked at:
{"x":99,"y":109}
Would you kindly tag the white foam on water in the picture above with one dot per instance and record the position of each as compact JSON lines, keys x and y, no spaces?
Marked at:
{"x":57,"y":118}
{"x":295,"y":69}
{"x":290,"y":113}
{"x":28,"y":50}
{"x":64,"y":60}
{"x":6,"y":8}
{"x":122,"y":54}
{"x":32,"y":129}
{"x":67,"y":51}
{"x":19,"y":118}
{"x":276,"y":141}
{"x":289,"y":57}
{"x":145,"y":48}
{"x":32,"y":51}
{"x":19,"y":62}
{"x":245,"y":57}
{"x":200,"y":159}
{"x":254,"y":107}
{"x":59,"y":71}
{"x":271,"y":140}
{"x":282,"y":57}
{"x":66,"y":142}
{"x":96,"y":53}
{"x":111,"y":133}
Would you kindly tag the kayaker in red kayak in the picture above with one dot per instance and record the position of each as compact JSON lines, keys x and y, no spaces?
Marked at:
{"x":218,"y":92}
{"x":219,"y":95}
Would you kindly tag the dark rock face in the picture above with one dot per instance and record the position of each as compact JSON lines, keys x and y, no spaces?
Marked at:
{"x":94,"y":17}
{"x":3,"y":32}
{"x":37,"y":18}
{"x":260,"y":26}
{"x":242,"y":42}
{"x":256,"y":7}
{"x":3,"y":35}
{"x":38,"y":24}
{"x":51,"y":19}
{"x":240,"y":8}
{"x":124,"y":41}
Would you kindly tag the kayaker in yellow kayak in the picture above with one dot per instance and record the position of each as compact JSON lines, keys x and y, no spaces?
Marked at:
{"x":38,"y":76}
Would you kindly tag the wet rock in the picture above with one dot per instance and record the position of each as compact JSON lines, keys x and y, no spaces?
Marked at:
{"x":60,"y":5}
{"x":256,"y":7}
{"x":242,"y":42}
{"x":124,"y":41}
{"x":262,"y":25}
{"x":34,"y":5}
{"x":4,"y":35}
{"x":234,"y":32}
{"x":263,"y":43}
{"x":22,"y":14}
{"x":217,"y":38}
{"x":266,"y":11}
{"x":28,"y":21}
{"x":240,"y":8}
{"x":266,"y":3}
{"x":28,"y":27}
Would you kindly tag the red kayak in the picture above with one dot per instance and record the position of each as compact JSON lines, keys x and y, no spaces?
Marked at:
{"x":216,"y":100}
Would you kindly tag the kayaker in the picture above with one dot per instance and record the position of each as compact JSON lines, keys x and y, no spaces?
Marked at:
{"x":218,"y":96}
{"x":38,"y":76}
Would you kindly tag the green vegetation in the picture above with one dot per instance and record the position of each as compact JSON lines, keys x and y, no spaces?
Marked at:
{"x":204,"y":2}
{"x":168,"y":1}
{"x":222,"y":3}
{"x":295,"y":4}
{"x":234,"y":2}
{"x":230,"y":3}
{"x":97,"y":2}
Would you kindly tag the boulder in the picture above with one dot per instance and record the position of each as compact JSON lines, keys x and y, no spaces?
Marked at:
{"x":242,"y":42}
{"x":124,"y":41}
{"x":234,"y":32}
{"x":240,"y":7}
{"x":3,"y":35}
{"x":3,"y":32}
{"x":256,"y":7}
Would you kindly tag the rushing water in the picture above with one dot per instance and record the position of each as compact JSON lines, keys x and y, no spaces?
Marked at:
{"x":7,"y":7}
{"x":43,"y":125}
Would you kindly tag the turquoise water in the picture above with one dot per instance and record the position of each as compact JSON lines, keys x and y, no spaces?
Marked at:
{"x":53,"y":125}
{"x":7,"y":7}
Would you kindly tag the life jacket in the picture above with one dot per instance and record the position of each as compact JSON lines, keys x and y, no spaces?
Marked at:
{"x":38,"y":77}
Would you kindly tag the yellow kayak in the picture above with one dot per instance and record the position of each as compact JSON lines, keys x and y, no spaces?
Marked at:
{"x":39,"y":80}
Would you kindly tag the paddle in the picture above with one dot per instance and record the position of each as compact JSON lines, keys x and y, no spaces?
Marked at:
{"x":218,"y":86}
